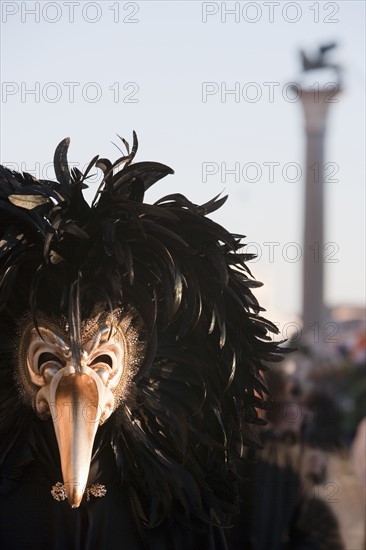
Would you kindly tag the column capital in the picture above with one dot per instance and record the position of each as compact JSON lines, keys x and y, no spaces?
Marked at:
{"x":316,"y":104}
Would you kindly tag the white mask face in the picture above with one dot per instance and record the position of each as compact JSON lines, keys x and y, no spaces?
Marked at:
{"x":80,"y":394}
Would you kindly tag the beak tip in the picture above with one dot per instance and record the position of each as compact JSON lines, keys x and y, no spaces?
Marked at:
{"x":75,"y":501}
{"x":74,"y":495}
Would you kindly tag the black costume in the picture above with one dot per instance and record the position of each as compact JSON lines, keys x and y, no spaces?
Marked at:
{"x":130,"y":363}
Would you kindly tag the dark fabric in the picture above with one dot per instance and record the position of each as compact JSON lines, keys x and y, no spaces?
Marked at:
{"x":276,"y":492}
{"x":30,"y":518}
{"x":268,"y":505}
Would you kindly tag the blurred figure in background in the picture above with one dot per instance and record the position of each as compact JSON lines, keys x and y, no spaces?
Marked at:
{"x":328,"y":478}
{"x":276,"y":483}
{"x":317,"y":525}
{"x":279,"y":509}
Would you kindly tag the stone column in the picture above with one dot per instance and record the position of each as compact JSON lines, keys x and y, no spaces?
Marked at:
{"x":315,"y":105}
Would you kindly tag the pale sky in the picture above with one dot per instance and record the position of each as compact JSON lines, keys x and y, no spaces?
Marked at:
{"x":165,"y":69}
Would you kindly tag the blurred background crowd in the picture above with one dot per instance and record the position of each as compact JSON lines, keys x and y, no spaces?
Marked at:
{"x":305,"y":488}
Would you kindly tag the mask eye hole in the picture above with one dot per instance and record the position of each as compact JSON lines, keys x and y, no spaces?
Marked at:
{"x":46,"y":357}
{"x":106,"y":359}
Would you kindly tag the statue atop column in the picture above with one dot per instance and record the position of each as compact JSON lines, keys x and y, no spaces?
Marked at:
{"x":319,"y":60}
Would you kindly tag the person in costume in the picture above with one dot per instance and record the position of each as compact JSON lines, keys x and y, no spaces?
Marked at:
{"x":131,"y":355}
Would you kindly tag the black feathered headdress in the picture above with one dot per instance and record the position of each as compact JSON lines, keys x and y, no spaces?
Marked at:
{"x":180,"y":280}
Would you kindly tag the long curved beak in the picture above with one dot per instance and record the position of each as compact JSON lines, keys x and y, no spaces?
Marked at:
{"x":78,"y":403}
{"x":76,"y":418}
